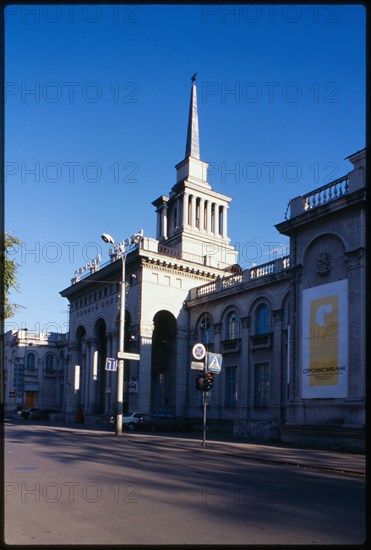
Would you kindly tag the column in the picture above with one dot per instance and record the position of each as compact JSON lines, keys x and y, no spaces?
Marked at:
{"x":277,"y":368}
{"x":179,"y":208}
{"x":181,"y":372}
{"x":224,"y":225}
{"x":354,"y":406}
{"x":295,"y":414}
{"x":185,"y":208}
{"x":158,"y":224}
{"x":73,"y":359}
{"x":202,"y":211}
{"x":145,"y":367}
{"x":216,"y":219}
{"x":193,"y":211}
{"x":164,"y":221}
{"x":208,"y":216}
{"x":85,"y":364}
{"x":92,"y":372}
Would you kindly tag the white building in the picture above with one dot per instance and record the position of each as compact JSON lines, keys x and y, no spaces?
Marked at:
{"x":191,"y":248}
{"x":291,"y":332}
{"x":34,"y":369}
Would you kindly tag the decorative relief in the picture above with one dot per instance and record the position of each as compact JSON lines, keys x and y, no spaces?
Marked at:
{"x":146,"y":331}
{"x":354,"y":258}
{"x":194,"y":272}
{"x":323,"y":264}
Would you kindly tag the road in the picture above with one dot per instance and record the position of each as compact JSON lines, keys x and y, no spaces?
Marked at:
{"x":84,"y":487}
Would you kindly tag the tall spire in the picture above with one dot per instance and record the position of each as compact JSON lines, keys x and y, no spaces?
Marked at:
{"x":193,"y":142}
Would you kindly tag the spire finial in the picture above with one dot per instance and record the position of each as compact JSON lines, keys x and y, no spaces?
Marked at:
{"x":193,"y":144}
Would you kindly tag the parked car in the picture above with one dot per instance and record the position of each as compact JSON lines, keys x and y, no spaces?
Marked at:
{"x":37,"y":414}
{"x":163,"y":422}
{"x":129,"y":420}
{"x":26,"y":412}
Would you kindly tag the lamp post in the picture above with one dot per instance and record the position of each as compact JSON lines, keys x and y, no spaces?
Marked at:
{"x":121,"y":250}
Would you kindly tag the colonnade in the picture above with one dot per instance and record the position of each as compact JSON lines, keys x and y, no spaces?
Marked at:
{"x":192,"y":211}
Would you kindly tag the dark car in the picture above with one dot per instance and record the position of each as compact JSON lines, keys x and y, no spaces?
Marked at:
{"x":37,"y":414}
{"x":26,"y":412}
{"x":164,"y":423}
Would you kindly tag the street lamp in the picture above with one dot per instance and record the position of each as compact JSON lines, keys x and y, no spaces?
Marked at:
{"x":121,"y":250}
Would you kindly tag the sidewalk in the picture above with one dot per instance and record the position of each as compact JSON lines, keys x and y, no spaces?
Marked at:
{"x":347,"y":463}
{"x":270,"y":452}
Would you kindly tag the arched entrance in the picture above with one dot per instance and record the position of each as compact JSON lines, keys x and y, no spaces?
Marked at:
{"x":163,"y":362}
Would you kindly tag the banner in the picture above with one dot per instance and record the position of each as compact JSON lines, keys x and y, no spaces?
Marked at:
{"x":325,"y":341}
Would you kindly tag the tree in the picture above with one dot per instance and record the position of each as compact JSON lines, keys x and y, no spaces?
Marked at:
{"x":9,"y":274}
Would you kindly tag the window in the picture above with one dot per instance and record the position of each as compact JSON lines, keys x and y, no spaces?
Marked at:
{"x":261,"y":385}
{"x":49,"y":361}
{"x":30,"y":360}
{"x":206,"y":331}
{"x":262,"y":319}
{"x":232,"y":326}
{"x":230,"y":386}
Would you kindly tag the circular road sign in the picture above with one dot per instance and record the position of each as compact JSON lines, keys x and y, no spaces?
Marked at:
{"x":199,"y":351}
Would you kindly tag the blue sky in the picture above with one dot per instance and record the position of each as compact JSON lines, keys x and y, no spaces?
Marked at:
{"x":97,"y":104}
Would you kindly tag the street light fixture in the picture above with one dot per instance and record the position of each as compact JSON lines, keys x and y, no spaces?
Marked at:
{"x":121,"y":250}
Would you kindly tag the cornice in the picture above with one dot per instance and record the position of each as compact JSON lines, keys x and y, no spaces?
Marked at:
{"x":160,"y":264}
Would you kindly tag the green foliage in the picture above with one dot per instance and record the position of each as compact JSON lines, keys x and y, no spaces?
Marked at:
{"x":10,"y":274}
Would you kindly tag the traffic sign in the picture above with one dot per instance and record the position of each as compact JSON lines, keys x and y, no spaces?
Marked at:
{"x":128,"y":356}
{"x":197,"y":365}
{"x":199,"y":351}
{"x":214,"y":362}
{"x":111,"y":364}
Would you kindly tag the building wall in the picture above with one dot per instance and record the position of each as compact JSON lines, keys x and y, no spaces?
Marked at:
{"x":330,"y":248}
{"x":262,"y":390}
{"x":256,"y":347}
{"x":325,"y":271}
{"x":35,"y":368}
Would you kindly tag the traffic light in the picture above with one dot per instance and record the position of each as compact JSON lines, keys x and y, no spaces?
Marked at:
{"x":200,"y":382}
{"x":208,"y":383}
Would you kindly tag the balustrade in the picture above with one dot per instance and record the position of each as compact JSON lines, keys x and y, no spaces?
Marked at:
{"x":327,"y":193}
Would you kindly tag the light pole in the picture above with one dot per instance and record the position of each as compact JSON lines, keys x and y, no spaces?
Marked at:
{"x":121,"y":250}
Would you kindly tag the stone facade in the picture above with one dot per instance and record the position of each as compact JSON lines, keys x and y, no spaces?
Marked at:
{"x":291,"y":332}
{"x":264,"y":361}
{"x":34,"y":370}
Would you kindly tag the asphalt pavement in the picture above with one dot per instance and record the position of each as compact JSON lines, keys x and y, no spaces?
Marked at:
{"x":346,"y":463}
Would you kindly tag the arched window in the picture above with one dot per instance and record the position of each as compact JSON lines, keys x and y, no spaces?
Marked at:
{"x":206,"y":331}
{"x":30,"y":360}
{"x":49,"y":361}
{"x":262,"y":319}
{"x":232,"y":326}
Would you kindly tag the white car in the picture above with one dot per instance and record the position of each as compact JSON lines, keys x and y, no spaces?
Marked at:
{"x":131,"y":419}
